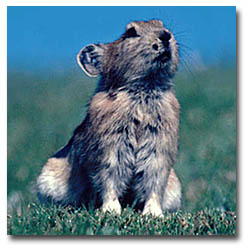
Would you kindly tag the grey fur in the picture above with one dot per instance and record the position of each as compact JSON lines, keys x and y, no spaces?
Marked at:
{"x":124,"y":151}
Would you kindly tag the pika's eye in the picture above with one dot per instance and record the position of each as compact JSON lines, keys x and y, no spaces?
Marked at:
{"x":131,"y":32}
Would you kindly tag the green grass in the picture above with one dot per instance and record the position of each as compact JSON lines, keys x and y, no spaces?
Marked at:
{"x":39,"y":220}
{"x":44,"y":109}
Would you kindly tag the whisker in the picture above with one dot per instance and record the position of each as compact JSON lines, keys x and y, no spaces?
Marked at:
{"x":186,"y":59}
{"x":185,"y":46}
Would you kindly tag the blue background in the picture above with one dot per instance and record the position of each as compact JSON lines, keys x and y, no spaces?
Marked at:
{"x":50,"y":37}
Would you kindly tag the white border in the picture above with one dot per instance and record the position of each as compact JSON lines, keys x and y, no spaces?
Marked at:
{"x":244,"y":131}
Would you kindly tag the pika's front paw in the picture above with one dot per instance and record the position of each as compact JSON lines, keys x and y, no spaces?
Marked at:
{"x":155,"y":211}
{"x":112,"y":206}
{"x":153,"y":207}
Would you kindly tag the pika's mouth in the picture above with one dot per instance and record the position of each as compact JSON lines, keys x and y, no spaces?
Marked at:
{"x":164,"y":57}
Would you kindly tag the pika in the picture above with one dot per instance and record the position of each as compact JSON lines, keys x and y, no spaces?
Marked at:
{"x":123,"y":152}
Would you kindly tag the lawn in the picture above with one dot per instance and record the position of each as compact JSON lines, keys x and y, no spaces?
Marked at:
{"x":43,"y":110}
{"x":39,"y":220}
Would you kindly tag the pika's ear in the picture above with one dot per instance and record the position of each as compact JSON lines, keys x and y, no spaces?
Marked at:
{"x":90,"y":59}
{"x":131,"y":30}
{"x":132,"y":25}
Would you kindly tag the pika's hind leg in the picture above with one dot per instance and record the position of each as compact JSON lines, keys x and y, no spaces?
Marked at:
{"x":52,"y":184}
{"x":172,"y":195}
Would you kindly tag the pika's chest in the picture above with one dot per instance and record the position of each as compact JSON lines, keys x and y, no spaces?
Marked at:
{"x":124,"y":107}
{"x":136,"y":116}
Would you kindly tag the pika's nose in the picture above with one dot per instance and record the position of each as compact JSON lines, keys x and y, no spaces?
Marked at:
{"x":165,"y":36}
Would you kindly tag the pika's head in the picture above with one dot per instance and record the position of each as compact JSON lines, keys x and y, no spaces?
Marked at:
{"x":146,"y":50}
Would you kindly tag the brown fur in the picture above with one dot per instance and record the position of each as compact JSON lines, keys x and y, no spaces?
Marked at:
{"x":124,"y":151}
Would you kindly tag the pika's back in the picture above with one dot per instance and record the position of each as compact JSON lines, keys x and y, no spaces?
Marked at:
{"x":145,"y":53}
